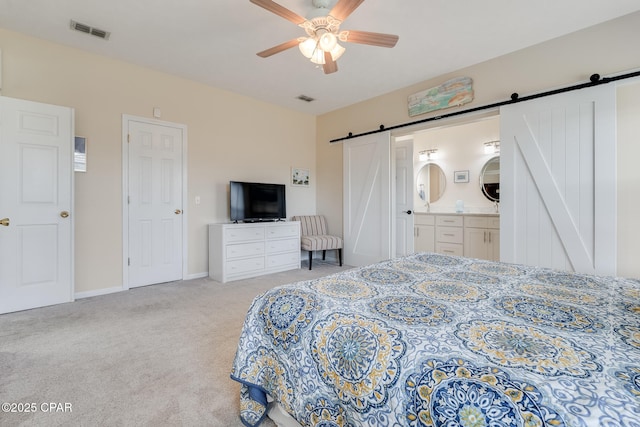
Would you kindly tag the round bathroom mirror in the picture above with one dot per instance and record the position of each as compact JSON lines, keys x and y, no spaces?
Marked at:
{"x":490,"y":179}
{"x":431,"y":182}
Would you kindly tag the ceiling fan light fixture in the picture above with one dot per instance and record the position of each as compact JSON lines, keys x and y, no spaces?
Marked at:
{"x":308,"y":46}
{"x":322,"y":28}
{"x":318,"y":57}
{"x":337,"y":52}
{"x":327,"y":41}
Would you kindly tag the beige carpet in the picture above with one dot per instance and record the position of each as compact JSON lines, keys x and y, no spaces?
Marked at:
{"x":159,"y":355}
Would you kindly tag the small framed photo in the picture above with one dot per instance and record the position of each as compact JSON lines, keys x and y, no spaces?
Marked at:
{"x":300,"y":177}
{"x":460,"y":176}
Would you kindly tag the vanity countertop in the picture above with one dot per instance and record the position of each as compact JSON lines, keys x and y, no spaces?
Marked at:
{"x":457,"y":213}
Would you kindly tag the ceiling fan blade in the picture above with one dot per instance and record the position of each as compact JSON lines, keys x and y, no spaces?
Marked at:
{"x":330,"y":66}
{"x":365,"y":37}
{"x":282,"y":11}
{"x":344,"y":8}
{"x":277,"y":49}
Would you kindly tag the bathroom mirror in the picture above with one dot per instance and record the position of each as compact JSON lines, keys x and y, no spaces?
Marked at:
{"x":431,"y":182}
{"x":490,"y":179}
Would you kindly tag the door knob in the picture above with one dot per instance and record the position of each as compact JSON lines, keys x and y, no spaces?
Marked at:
{"x":178,"y":211}
{"x":4,"y":221}
{"x":64,"y":214}
{"x":408,"y":212}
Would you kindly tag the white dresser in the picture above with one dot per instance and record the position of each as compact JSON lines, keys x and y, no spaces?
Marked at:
{"x":240,"y":251}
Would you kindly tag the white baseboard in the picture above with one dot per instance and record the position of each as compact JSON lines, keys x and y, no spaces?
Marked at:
{"x":197,"y":275}
{"x":106,"y":291}
{"x":97,"y":292}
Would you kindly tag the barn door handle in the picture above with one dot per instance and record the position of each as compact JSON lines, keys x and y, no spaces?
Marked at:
{"x":4,"y":221}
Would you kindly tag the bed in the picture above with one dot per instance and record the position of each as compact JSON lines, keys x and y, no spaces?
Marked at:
{"x":437,"y":340}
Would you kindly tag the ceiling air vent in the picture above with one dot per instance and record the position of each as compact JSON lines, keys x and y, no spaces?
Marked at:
{"x":83,"y":28}
{"x":305,"y":98}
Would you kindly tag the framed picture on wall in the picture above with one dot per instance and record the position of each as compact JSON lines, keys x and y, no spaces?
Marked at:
{"x":300,"y":177}
{"x":461,"y":176}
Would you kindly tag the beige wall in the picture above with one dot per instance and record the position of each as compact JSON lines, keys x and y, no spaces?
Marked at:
{"x":229,"y":137}
{"x":605,"y":49}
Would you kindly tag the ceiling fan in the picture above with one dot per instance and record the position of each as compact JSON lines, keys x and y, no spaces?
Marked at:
{"x":323,"y":32}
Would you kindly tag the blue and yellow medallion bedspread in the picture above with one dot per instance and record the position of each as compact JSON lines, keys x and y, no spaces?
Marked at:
{"x":435,"y":340}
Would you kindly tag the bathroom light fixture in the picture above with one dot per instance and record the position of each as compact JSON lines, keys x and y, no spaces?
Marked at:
{"x":492,"y":147}
{"x":430,"y":154}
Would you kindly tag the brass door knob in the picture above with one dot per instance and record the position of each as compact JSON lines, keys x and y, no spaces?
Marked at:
{"x":64,"y":214}
{"x":178,"y":211}
{"x":4,"y":221}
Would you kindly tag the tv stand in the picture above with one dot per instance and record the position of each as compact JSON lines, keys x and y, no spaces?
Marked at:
{"x":241,"y":251}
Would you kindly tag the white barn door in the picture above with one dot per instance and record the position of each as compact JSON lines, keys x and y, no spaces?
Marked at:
{"x":36,"y":204}
{"x":558,"y":181}
{"x":367,"y":199}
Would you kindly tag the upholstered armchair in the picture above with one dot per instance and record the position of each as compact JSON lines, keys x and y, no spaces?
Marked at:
{"x":314,"y":237}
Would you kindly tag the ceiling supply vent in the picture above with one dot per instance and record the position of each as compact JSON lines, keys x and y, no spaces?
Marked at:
{"x":83,"y":28}
{"x":306,"y":98}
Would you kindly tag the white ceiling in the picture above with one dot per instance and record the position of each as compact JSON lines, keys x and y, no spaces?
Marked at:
{"x":215,"y":41}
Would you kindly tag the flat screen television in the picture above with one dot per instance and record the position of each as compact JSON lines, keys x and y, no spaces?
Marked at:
{"x":254,"y":201}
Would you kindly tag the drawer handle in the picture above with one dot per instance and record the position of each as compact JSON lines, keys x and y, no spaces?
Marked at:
{"x":448,"y":234}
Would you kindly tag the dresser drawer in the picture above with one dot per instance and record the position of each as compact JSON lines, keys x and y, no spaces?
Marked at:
{"x":449,"y":248}
{"x":284,"y":230}
{"x":243,"y":234}
{"x":449,"y":234}
{"x":244,"y":265}
{"x":284,"y":245}
{"x":243,"y":250}
{"x":449,"y":220}
{"x":280,"y":260}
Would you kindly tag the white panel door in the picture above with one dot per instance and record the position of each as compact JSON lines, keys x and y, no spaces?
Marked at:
{"x":403,"y":197}
{"x":558,"y":181}
{"x":367,"y":199}
{"x":36,"y":179}
{"x":155,"y":203}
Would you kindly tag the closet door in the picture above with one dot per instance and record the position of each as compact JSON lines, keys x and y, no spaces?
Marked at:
{"x":558,"y":181}
{"x":367,"y":199}
{"x":36,"y":204}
